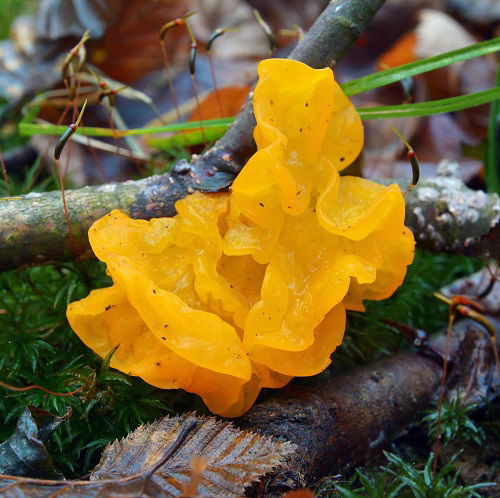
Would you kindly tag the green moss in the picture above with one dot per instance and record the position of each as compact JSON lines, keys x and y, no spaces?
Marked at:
{"x":403,"y":479}
{"x":38,"y":347}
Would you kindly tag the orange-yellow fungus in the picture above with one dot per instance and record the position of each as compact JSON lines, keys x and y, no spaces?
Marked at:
{"x":247,"y":289}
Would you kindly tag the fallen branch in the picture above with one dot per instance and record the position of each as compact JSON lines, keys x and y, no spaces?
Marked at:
{"x":442,"y":212}
{"x":343,"y":422}
{"x":330,"y":426}
{"x":33,"y":228}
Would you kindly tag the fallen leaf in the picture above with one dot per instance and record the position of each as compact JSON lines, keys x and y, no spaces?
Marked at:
{"x":438,"y":33}
{"x":299,"y":493}
{"x":198,"y":465}
{"x":476,"y":374}
{"x":286,"y":14}
{"x":123,"y":41}
{"x":24,"y":454}
{"x":402,"y":52}
{"x":245,"y":38}
{"x":443,"y":136}
{"x":480,"y":11}
{"x":477,"y":284}
{"x":166,"y":458}
{"x":58,"y":19}
{"x":234,"y":458}
{"x":130,"y":46}
{"x":231,"y":99}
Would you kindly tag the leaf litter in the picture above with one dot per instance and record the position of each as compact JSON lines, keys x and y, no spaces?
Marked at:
{"x":170,"y":457}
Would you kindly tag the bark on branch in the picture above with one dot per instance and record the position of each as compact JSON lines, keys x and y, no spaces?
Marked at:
{"x":442,"y":212}
{"x":33,"y":229}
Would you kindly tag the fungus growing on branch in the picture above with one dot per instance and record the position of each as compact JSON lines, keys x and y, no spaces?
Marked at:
{"x":247,"y":289}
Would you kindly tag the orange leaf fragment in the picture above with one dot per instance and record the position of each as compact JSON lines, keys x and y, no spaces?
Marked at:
{"x":402,"y":52}
{"x":231,"y":98}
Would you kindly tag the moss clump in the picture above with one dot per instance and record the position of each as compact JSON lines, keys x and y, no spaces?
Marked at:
{"x":38,"y":347}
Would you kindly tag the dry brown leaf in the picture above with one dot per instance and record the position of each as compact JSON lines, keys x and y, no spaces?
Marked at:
{"x":198,"y":465}
{"x":237,"y":52}
{"x":130,"y":46}
{"x":58,"y":19}
{"x":24,"y":452}
{"x":233,"y":459}
{"x":402,"y":52}
{"x":477,"y":284}
{"x":285,"y":14}
{"x":299,"y":493}
{"x":135,"y":487}
{"x":438,"y":33}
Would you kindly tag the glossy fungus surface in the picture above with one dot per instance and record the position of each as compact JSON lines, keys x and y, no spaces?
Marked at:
{"x":247,"y":289}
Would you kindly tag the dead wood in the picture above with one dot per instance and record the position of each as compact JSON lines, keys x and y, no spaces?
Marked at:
{"x":343,"y":422}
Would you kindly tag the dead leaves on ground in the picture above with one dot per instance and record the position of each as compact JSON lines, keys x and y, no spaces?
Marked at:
{"x":213,"y":458}
{"x":24,"y":452}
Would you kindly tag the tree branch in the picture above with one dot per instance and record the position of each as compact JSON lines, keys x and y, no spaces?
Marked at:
{"x":33,"y":229}
{"x":342,"y":423}
{"x":445,"y":215}
{"x":442,"y":212}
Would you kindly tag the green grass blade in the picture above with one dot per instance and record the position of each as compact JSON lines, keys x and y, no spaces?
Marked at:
{"x":215,"y":128}
{"x":28,"y":129}
{"x":431,"y":107}
{"x":492,"y":163}
{"x":383,"y":78}
{"x":185,"y":139}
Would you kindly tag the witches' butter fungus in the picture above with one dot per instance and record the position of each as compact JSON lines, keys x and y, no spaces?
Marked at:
{"x":247,"y":289}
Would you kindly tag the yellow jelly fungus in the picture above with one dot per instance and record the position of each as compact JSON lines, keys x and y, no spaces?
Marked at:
{"x":247,"y":289}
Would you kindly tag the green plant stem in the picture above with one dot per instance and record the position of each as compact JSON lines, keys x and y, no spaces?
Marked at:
{"x":28,"y":129}
{"x":215,"y":128}
{"x":384,"y":112}
{"x":432,"y":107}
{"x":383,"y":78}
{"x":492,"y":163}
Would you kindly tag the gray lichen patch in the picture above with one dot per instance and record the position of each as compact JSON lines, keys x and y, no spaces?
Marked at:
{"x":446,"y":215}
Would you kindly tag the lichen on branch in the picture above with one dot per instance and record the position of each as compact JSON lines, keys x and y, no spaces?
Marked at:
{"x":445,"y":215}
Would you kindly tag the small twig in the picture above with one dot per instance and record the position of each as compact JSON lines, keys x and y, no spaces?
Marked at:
{"x":34,"y":386}
{"x":4,"y":173}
